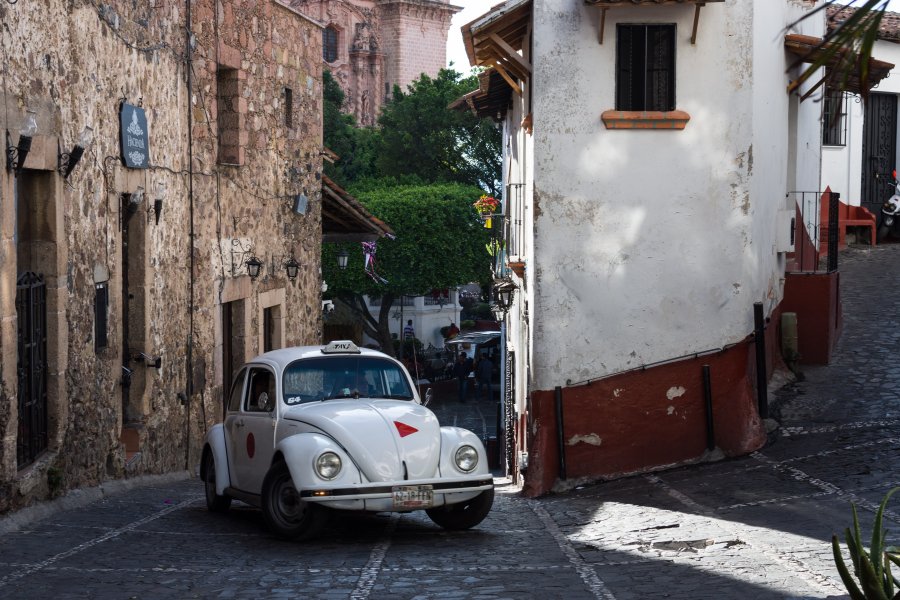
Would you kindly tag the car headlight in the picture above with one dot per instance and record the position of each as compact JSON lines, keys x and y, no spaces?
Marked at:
{"x":328,"y":465}
{"x":466,"y":458}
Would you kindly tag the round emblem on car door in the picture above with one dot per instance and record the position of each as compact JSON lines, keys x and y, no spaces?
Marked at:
{"x":251,"y":445}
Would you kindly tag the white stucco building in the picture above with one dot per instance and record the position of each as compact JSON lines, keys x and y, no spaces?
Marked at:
{"x":860,"y":143}
{"x":650,"y":147}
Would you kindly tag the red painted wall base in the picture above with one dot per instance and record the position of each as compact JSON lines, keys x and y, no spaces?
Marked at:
{"x":815,"y":297}
{"x":643,"y":420}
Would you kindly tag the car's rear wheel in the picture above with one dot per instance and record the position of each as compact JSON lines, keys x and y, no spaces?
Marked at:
{"x":463,"y":515}
{"x":214,"y":502}
{"x":286,"y":514}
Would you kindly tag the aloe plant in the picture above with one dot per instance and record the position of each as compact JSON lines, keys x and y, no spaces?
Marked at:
{"x":872,"y":570}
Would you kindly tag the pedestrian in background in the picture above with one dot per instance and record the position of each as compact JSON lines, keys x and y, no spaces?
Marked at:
{"x":483,"y":374}
{"x":409,"y":332}
{"x":461,"y":372}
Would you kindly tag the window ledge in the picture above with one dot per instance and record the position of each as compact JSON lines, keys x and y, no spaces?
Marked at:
{"x":645,"y":119}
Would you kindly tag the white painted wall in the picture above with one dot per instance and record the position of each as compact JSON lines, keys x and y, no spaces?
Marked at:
{"x":427,"y":319}
{"x":842,"y":165}
{"x":651,"y":245}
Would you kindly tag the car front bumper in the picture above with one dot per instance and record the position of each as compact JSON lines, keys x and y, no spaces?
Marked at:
{"x":379,"y":496}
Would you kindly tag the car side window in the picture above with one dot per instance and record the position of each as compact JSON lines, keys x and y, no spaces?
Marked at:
{"x":260,"y":391}
{"x":237,"y":391}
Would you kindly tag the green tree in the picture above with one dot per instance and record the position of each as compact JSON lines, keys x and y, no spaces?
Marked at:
{"x":439,"y":243}
{"x":355,"y":146}
{"x":421,"y":136}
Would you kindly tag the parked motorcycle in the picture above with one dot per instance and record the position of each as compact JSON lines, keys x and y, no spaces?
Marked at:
{"x":890,"y":212}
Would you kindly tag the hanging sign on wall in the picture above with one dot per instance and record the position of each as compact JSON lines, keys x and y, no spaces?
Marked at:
{"x":134,"y":139}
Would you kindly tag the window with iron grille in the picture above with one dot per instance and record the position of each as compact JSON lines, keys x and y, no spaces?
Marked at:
{"x":645,"y":67}
{"x":330,"y":44}
{"x":101,"y":305}
{"x":288,"y":108}
{"x":834,"y":119}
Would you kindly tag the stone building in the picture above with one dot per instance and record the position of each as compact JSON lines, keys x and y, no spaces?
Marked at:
{"x":126,"y":301}
{"x":372,"y":45}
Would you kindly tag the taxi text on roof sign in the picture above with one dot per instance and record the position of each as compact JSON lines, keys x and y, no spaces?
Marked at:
{"x":341,"y":347}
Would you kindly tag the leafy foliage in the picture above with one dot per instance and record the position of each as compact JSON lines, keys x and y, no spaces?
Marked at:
{"x":355,"y":146}
{"x":849,"y":46}
{"x":872,"y":569}
{"x":439,"y":243}
{"x":421,"y":136}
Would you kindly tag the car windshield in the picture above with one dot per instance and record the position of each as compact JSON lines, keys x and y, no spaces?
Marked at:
{"x":317,"y":379}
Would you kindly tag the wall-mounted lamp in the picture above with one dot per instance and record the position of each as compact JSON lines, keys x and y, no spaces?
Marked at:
{"x":504,"y":293}
{"x":342,"y":258}
{"x":292,"y":267}
{"x":301,"y":202}
{"x":149,"y":361}
{"x":68,"y":160}
{"x":15,"y":155}
{"x":158,"y":201}
{"x":241,"y":257}
{"x":290,"y":264}
{"x":254,"y":266}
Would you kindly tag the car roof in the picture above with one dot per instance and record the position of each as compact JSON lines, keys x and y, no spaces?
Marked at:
{"x":475,"y":337}
{"x":284,"y":356}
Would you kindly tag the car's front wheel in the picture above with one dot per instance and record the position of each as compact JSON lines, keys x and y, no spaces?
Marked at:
{"x":463,"y":515}
{"x":214,"y":502}
{"x":286,"y":514}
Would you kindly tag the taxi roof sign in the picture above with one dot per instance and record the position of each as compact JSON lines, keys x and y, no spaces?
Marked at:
{"x":341,"y":347}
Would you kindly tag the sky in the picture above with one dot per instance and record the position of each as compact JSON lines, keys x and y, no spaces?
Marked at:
{"x":472,"y":9}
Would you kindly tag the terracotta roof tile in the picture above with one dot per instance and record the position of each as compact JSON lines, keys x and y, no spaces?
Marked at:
{"x":890,"y":23}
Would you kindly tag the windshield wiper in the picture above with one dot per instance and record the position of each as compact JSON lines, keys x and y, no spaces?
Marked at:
{"x":394,"y":396}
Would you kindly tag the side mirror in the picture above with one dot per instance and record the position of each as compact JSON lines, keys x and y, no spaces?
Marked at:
{"x":428,"y":396}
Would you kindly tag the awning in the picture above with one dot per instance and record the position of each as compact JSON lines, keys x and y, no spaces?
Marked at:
{"x":491,"y":99}
{"x":810,"y":49}
{"x":603,"y":5}
{"x":344,"y":219}
{"x":495,"y":39}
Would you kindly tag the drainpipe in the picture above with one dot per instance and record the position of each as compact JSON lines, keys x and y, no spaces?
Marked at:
{"x":560,"y":433}
{"x":761,"y":378}
{"x":189,"y":391}
{"x":707,"y":396}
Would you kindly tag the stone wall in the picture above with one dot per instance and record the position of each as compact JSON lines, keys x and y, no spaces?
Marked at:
{"x":172,"y":263}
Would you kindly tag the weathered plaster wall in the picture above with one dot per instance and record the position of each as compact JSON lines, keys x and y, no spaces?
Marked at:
{"x":73,"y":62}
{"x":655,"y":244}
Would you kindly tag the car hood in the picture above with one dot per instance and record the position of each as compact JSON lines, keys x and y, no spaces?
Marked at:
{"x":390,"y":440}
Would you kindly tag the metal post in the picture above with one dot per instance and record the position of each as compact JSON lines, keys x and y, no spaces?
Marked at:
{"x":707,"y":396}
{"x":761,"y":378}
{"x":560,"y":433}
{"x":833,"y":228}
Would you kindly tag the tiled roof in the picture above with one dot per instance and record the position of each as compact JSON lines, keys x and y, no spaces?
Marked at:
{"x":890,"y":23}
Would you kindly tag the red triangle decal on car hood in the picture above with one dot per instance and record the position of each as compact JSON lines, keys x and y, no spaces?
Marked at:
{"x":404,"y":429}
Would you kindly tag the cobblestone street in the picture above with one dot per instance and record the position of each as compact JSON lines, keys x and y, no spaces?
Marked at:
{"x":757,"y":527}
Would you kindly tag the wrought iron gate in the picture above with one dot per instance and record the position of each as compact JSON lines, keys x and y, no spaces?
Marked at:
{"x":879,"y":150}
{"x":31,"y":309}
{"x":509,"y":415}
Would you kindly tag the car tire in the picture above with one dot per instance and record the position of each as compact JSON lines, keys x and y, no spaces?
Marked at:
{"x":214,"y":502}
{"x":463,"y":515}
{"x":286,"y":515}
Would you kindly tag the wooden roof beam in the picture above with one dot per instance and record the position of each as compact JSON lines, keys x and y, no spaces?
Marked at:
{"x":512,"y":83}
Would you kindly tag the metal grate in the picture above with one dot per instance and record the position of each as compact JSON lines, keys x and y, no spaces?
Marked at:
{"x":31,"y":308}
{"x":834,"y":119}
{"x":815,"y":237}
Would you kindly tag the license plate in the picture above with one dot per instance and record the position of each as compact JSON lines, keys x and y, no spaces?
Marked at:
{"x":413,"y":496}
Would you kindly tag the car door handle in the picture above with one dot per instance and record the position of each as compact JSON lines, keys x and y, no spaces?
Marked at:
{"x":239,"y":423}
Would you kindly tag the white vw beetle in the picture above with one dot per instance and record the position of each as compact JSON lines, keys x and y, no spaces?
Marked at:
{"x":337,"y":427}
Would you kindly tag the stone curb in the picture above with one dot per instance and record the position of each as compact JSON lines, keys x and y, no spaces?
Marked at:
{"x":83,"y":496}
